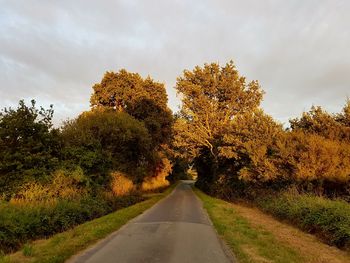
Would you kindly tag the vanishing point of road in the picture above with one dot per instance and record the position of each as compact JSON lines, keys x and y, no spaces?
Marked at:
{"x":175,"y":230}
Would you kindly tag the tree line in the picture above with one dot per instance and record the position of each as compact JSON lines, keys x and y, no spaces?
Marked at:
{"x":127,"y":130}
{"x":130,"y":142}
{"x":52,"y":179}
{"x":236,"y":148}
{"x":240,"y":151}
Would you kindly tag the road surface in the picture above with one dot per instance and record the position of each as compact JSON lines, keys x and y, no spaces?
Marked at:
{"x":175,"y":230}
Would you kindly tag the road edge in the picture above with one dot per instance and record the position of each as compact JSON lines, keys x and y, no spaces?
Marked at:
{"x":225,"y":247}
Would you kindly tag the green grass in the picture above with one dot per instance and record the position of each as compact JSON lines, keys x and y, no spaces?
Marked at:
{"x":62,"y":246}
{"x":27,"y":250}
{"x":21,"y":223}
{"x":248,"y":243}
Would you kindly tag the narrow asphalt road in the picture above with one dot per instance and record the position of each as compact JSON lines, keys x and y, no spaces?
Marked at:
{"x":176,"y":229}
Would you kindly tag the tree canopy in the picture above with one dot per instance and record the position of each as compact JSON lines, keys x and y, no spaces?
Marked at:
{"x":318,"y":121}
{"x":123,"y":90}
{"x":212,"y":96}
{"x":144,"y":99}
{"x":220,"y":130}
{"x":104,"y":140}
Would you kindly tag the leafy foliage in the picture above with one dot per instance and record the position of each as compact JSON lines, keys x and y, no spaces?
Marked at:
{"x":330,"y":126}
{"x":144,"y":99}
{"x":19,"y":224}
{"x":29,"y":146}
{"x":123,"y":90}
{"x":88,"y":167}
{"x":158,"y":120}
{"x":238,"y":150}
{"x":121,"y":185}
{"x":68,"y":185}
{"x":314,"y":158}
{"x":130,"y":140}
{"x":329,"y":219}
{"x":212,"y":96}
{"x":104,"y":140}
{"x":158,"y":179}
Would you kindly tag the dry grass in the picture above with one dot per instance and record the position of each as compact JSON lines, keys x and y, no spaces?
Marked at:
{"x":252,"y":252}
{"x":249,"y":244}
{"x":159,"y":179}
{"x":64,"y":185}
{"x":120,"y":184}
{"x":257,"y":237}
{"x":313,"y":250}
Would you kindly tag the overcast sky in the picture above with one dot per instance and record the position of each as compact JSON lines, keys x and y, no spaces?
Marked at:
{"x":54,"y":51}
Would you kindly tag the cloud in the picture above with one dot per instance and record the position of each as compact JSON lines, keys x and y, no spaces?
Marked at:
{"x":55,"y":51}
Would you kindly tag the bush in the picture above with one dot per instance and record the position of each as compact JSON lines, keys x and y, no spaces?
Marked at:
{"x":329,"y":219}
{"x":29,"y":146}
{"x":158,"y":180}
{"x":103,"y":140}
{"x":19,"y":224}
{"x":120,"y":184}
{"x":315,"y":164}
{"x":330,"y":126}
{"x":64,"y":184}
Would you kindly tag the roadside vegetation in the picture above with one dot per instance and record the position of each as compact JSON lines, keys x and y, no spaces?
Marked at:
{"x":130,"y":143}
{"x":52,"y":179}
{"x":328,"y":219}
{"x":62,"y":246}
{"x":256,"y":237}
{"x":242,"y":153}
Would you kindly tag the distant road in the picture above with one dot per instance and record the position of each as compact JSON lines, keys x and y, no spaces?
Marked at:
{"x":175,"y":230}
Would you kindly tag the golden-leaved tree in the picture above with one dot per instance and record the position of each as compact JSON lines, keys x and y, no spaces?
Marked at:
{"x":212,"y":96}
{"x":122,"y":90}
{"x":318,"y":121}
{"x":144,"y":99}
{"x":315,"y":154}
{"x":221,"y":126}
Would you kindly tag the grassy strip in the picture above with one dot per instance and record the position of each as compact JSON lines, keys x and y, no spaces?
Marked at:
{"x":328,"y":219}
{"x":21,"y":223}
{"x":249,"y":243}
{"x":62,"y":246}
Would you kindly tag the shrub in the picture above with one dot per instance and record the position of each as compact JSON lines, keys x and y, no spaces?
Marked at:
{"x":314,"y":163}
{"x":29,"y":146}
{"x":330,"y":126}
{"x":159,"y":179}
{"x":104,"y":140}
{"x":63,"y":185}
{"x":120,"y":184}
{"x":19,"y":224}
{"x":329,"y":219}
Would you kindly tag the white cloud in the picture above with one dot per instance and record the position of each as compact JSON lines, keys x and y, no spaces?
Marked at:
{"x":55,"y":51}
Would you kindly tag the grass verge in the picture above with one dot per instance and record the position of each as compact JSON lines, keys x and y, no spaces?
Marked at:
{"x":21,"y":223}
{"x":255,"y":236}
{"x":62,"y":246}
{"x":249,"y":243}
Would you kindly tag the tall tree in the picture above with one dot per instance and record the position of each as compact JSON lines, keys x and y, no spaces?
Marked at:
{"x":212,"y":96}
{"x":212,"y":99}
{"x":144,"y":99}
{"x":123,"y":90}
